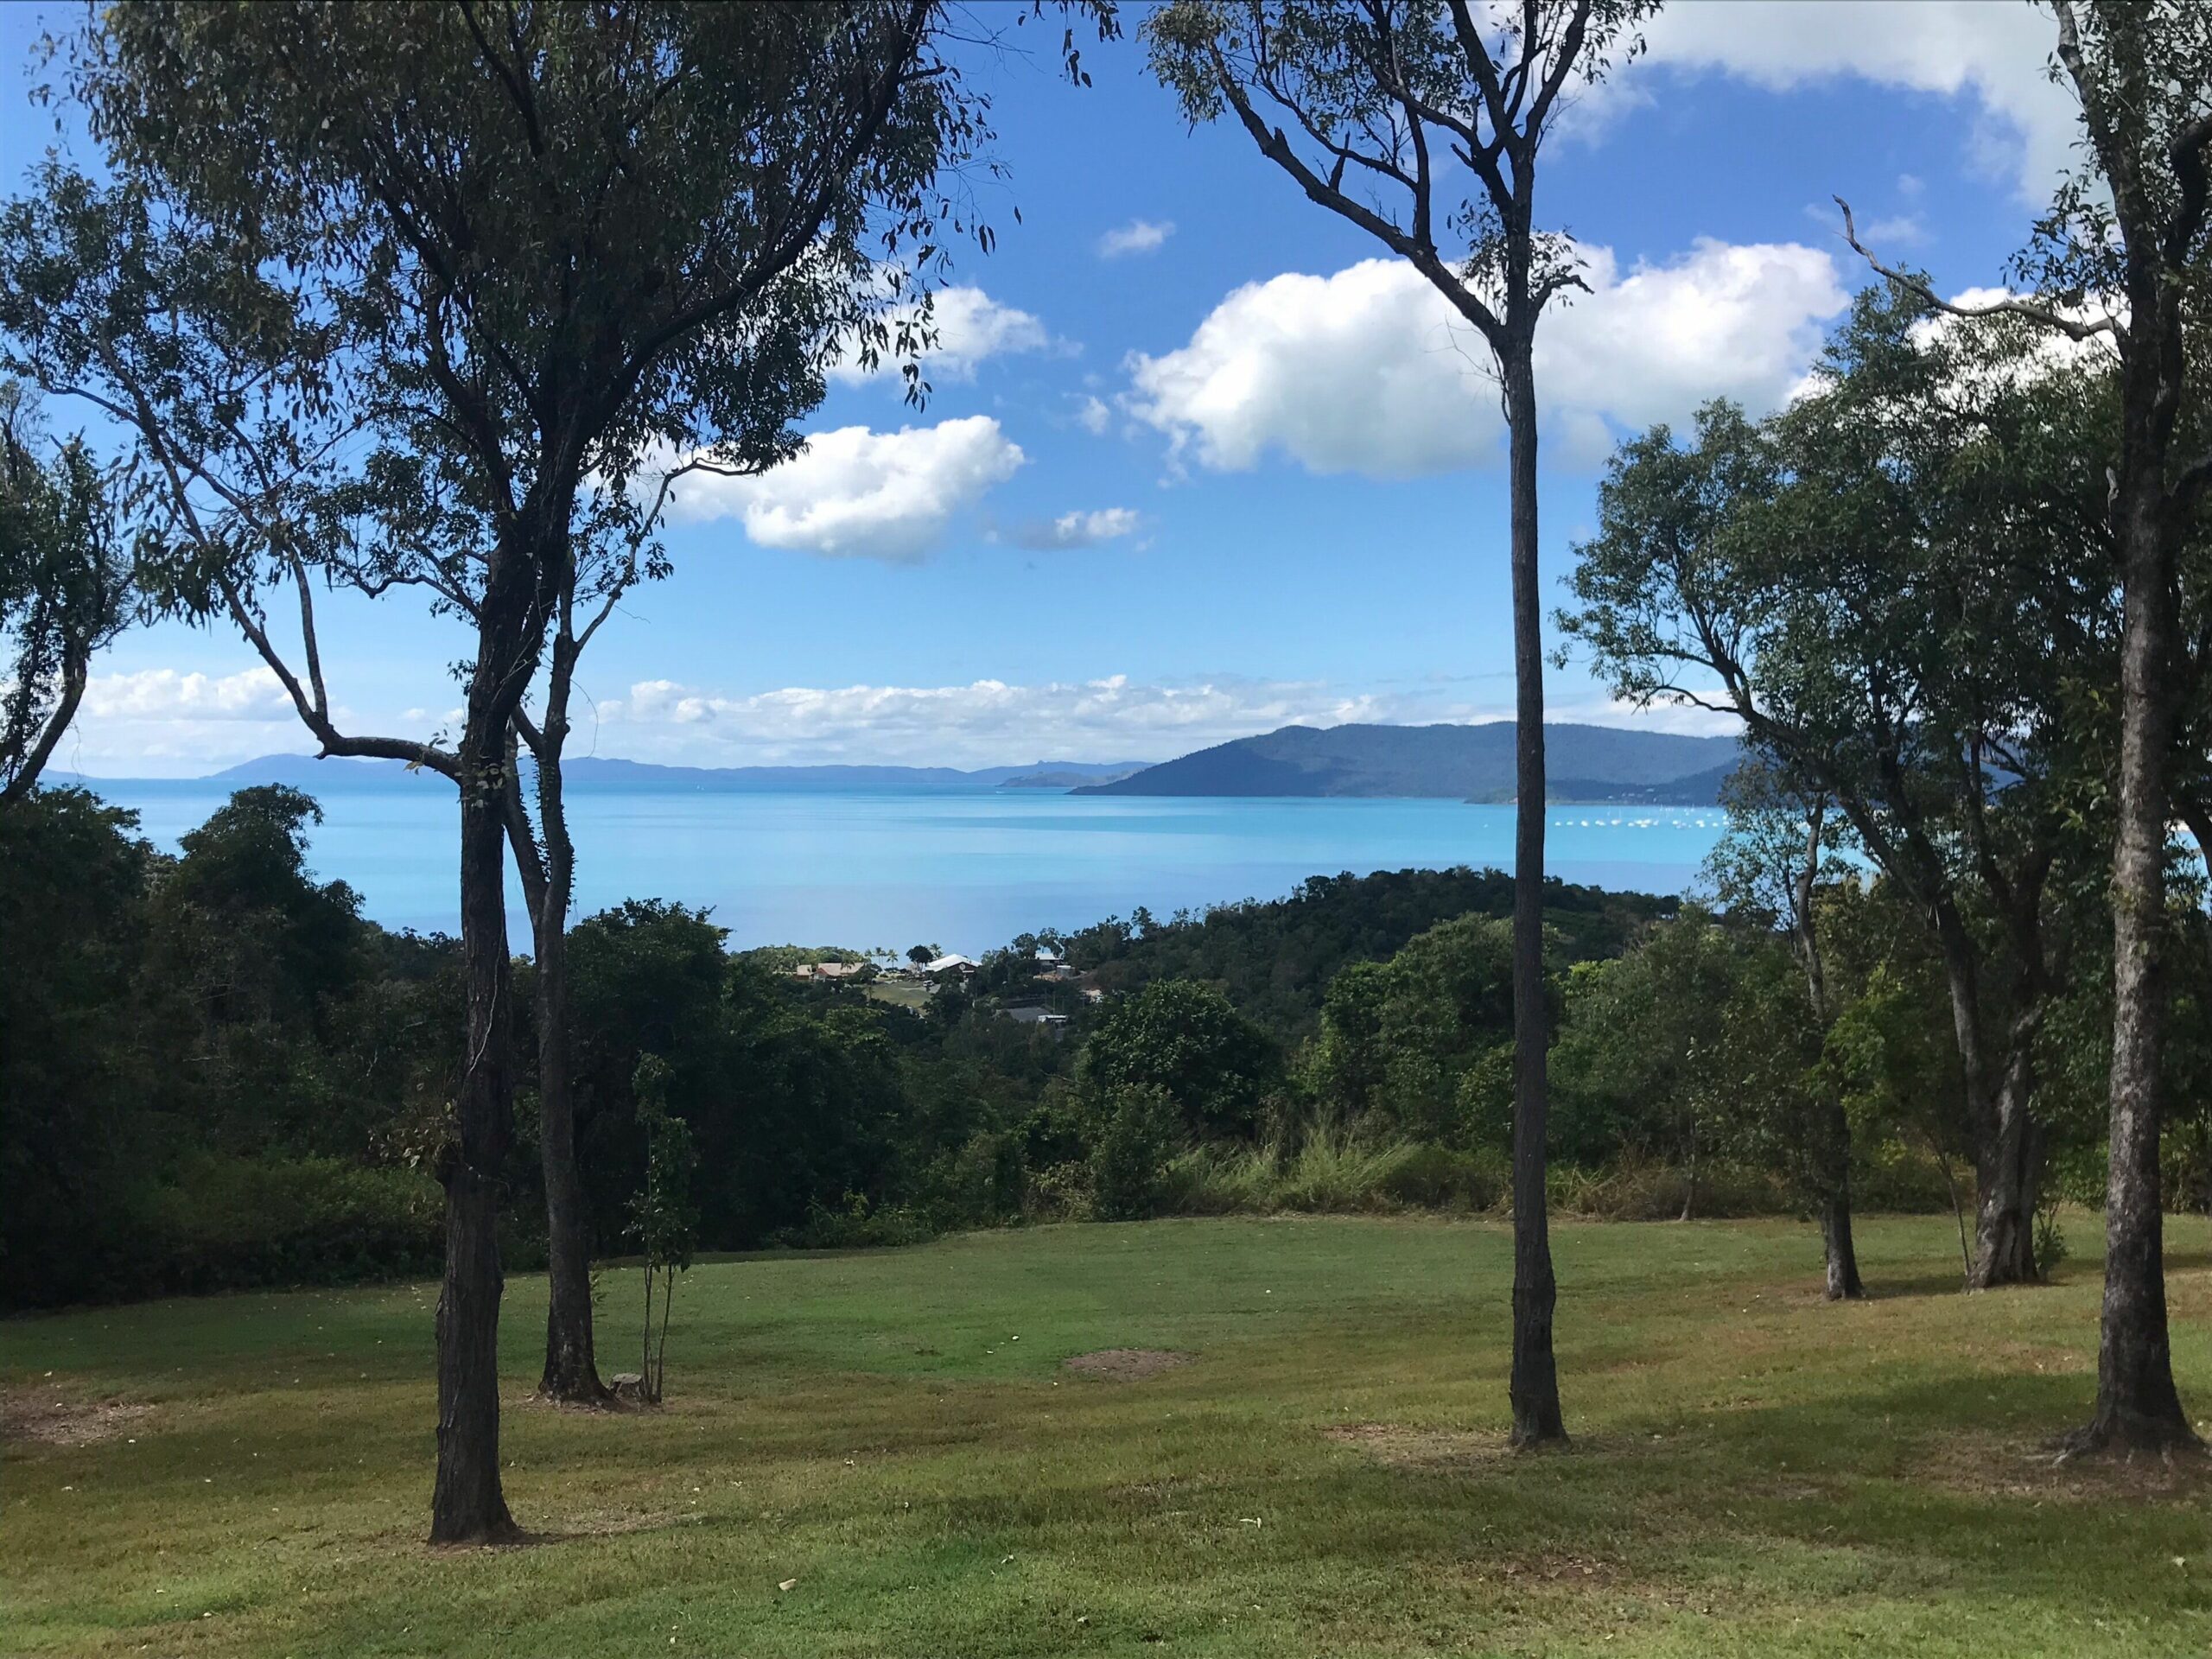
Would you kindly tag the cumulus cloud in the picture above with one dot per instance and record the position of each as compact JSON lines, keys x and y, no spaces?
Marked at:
{"x":1093,"y":416}
{"x":988,"y":722}
{"x":1077,"y":528}
{"x":855,"y":492}
{"x":1138,"y":236}
{"x":164,"y":694}
{"x":1370,"y":371}
{"x":1994,"y":54}
{"x":969,"y":326}
{"x":159,"y":721}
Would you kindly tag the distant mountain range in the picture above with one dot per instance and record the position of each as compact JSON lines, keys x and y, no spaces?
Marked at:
{"x":1470,"y":763}
{"x":305,"y":772}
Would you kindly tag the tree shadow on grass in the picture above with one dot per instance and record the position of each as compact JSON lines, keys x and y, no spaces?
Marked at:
{"x":1957,"y":1474}
{"x":1938,"y":1487}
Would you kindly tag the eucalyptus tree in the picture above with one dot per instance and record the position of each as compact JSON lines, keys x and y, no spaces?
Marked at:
{"x":1892,"y":585}
{"x":536,"y":249}
{"x":431,"y":542}
{"x":2123,"y":261}
{"x":1421,"y":122}
{"x":66,"y":586}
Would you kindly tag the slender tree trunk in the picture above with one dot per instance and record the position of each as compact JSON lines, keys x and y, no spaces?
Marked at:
{"x":2004,"y":1247}
{"x":1535,"y":1388}
{"x":2010,"y":1171}
{"x":1842,"y":1283}
{"x":571,"y":1368}
{"x":1832,"y":1179}
{"x":467,"y":1505}
{"x":75,"y":671}
{"x":1832,"y":1132}
{"x":2138,"y":1409}
{"x":661,"y":1351}
{"x":1958,"y":1209}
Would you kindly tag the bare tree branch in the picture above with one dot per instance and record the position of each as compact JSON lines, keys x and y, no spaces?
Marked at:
{"x":2072,"y":327}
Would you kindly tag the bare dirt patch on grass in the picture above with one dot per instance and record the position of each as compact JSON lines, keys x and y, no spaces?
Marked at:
{"x":2035,"y":1469}
{"x":1125,"y":1365}
{"x":50,"y":1417}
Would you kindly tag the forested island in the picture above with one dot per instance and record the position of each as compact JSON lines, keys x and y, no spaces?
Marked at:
{"x":1471,"y":763}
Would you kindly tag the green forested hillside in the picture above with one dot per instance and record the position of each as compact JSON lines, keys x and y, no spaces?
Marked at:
{"x":1473,"y":763}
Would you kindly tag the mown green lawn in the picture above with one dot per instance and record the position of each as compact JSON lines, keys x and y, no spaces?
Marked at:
{"x":1754,"y":1473}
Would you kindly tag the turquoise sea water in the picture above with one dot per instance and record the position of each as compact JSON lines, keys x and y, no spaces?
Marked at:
{"x":963,"y":870}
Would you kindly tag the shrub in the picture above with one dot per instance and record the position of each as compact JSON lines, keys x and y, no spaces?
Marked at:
{"x":1330,"y":1175}
{"x":216,"y":1222}
{"x":1187,"y":1041}
{"x":1637,"y":1189}
{"x":1059,"y":1191}
{"x":1439,"y":1178}
{"x":856,"y":1225}
{"x":1130,"y":1152}
{"x":1890,"y":1177}
{"x":977,"y":1184}
{"x":231,"y":1223}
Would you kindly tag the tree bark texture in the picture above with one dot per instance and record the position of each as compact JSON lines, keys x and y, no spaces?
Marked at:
{"x":467,"y":1505}
{"x":1535,"y":1386}
{"x":1842,"y":1283}
{"x":2138,"y":1408}
{"x":2005,"y":1172}
{"x":1832,"y":1132}
{"x":571,"y":1367}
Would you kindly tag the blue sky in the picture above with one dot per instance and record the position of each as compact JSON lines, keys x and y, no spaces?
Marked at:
{"x":1202,"y":462}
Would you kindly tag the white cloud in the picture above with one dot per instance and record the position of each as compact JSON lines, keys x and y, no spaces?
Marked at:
{"x":1370,"y":371}
{"x":1138,"y":236}
{"x":985,"y":722}
{"x":969,"y":326}
{"x":163,"y":694}
{"x":1896,"y":230}
{"x":854,"y":493}
{"x":1994,"y":53}
{"x":1077,"y":528}
{"x":160,"y":721}
{"x":1094,"y":416}
{"x":994,"y":722}
{"x":2048,"y":351}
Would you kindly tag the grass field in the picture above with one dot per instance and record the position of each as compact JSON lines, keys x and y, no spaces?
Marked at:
{"x":899,"y":994}
{"x":895,"y":1435}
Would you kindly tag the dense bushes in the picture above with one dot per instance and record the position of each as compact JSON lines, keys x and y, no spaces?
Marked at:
{"x":1330,"y":1175}
{"x":221,"y":1076}
{"x":215,"y":1075}
{"x":216,"y":1222}
{"x":1274,"y":959}
{"x":1186,"y":1043}
{"x":1133,"y":1142}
